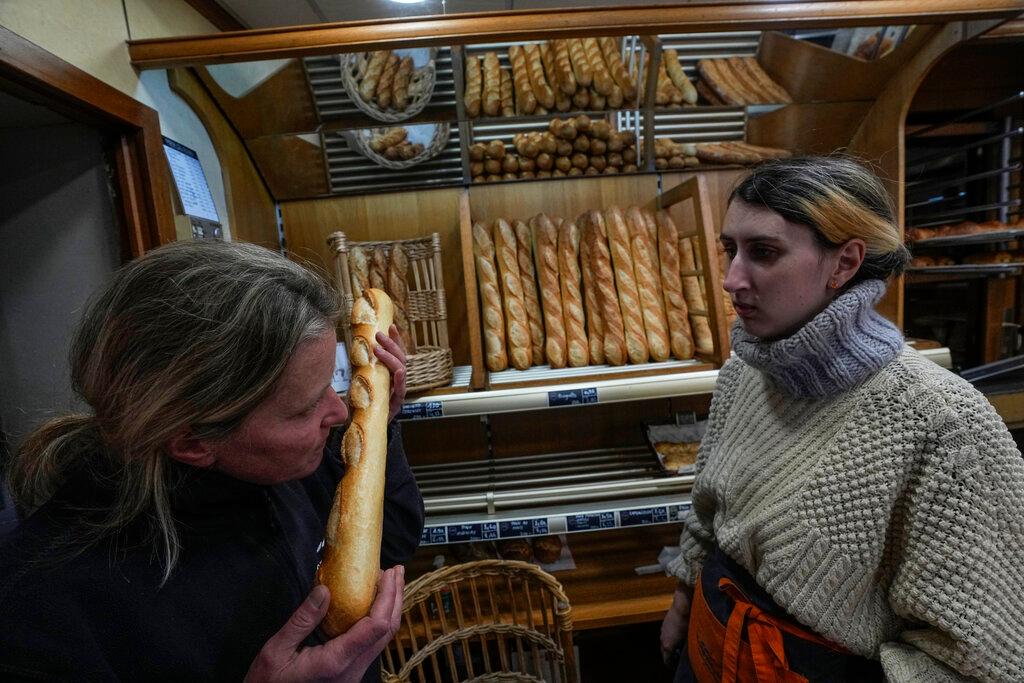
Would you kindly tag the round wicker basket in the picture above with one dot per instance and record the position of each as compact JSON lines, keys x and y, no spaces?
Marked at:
{"x":359,"y":141}
{"x":421,"y":87}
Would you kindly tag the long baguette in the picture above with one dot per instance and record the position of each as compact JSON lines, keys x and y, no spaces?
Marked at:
{"x":604,"y":281}
{"x":379,"y":269}
{"x":545,"y":238}
{"x":677,"y":313}
{"x":526,"y":101}
{"x":648,"y":283}
{"x":695,"y":300}
{"x":398,"y":289}
{"x":625,"y":282}
{"x":353,"y":535}
{"x":491,"y":85}
{"x":679,"y":77}
{"x":572,"y":299}
{"x":473,"y":99}
{"x":359,"y":271}
{"x":517,"y":322}
{"x":524,"y":243}
{"x":603,"y":80}
{"x":595,"y":322}
{"x":490,"y":299}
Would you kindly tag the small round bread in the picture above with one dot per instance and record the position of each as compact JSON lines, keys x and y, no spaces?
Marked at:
{"x":547,"y":549}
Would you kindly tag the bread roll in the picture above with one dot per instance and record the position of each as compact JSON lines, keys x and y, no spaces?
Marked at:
{"x":545,"y":238}
{"x":577,"y":348}
{"x":352,"y":539}
{"x":694,"y":295}
{"x":676,"y":311}
{"x":595,"y":323}
{"x":648,"y":283}
{"x":358,"y":271}
{"x":398,"y":289}
{"x":604,"y":281}
{"x":490,"y":299}
{"x":625,"y":282}
{"x":517,"y":322}
{"x":524,"y":241}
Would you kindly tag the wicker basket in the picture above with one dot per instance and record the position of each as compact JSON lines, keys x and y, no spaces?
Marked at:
{"x":421,"y":87}
{"x":359,"y":141}
{"x":429,"y":364}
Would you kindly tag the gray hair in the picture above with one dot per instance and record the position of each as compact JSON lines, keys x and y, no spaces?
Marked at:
{"x":191,"y":335}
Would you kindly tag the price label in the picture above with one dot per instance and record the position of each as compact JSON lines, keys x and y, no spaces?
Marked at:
{"x":523,"y":527}
{"x":421,"y":410}
{"x":465,"y":532}
{"x":572,"y":397}
{"x":676,"y":513}
{"x":638,"y":516}
{"x":433,"y":535}
{"x":590,"y":521}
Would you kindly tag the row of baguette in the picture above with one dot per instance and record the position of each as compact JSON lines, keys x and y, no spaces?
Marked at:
{"x":607,"y":287}
{"x":387,"y":269}
{"x":383,"y":78}
{"x":960,"y":229}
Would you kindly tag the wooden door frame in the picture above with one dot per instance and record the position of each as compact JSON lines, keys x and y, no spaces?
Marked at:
{"x":30,"y":72}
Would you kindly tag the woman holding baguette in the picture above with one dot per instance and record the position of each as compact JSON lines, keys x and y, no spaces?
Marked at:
{"x":858,"y":512}
{"x":173,"y":531}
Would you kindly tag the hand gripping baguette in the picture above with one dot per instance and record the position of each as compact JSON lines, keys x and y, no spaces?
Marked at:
{"x":680,"y":337}
{"x":625,"y":281}
{"x":352,"y":540}
{"x":648,"y":283}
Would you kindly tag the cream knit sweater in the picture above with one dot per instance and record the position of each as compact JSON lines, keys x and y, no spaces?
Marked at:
{"x":888,"y":516}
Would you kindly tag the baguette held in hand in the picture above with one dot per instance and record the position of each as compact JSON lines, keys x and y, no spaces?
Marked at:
{"x":352,"y":541}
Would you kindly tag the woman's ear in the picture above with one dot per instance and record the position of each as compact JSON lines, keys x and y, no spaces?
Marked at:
{"x":186,"y":448}
{"x":848,"y":261}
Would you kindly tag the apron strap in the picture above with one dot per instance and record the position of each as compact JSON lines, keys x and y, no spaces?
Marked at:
{"x":766,"y":647}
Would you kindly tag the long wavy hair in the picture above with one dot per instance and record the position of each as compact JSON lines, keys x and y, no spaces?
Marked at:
{"x":191,"y":335}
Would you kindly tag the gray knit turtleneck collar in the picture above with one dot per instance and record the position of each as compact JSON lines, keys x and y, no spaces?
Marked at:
{"x":836,"y":350}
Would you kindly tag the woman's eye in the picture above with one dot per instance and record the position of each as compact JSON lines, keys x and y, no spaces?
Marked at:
{"x":761,"y":253}
{"x":730,"y":250}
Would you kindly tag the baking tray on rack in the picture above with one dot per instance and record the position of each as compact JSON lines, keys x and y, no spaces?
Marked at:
{"x":987,"y":237}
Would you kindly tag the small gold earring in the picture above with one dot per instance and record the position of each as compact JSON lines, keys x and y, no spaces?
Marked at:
{"x":833,"y":284}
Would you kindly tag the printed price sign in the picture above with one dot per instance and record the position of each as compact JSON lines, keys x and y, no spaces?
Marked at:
{"x":638,"y":516}
{"x":572,"y":397}
{"x":523,"y":527}
{"x":421,"y":410}
{"x":433,"y":535}
{"x":590,"y":521}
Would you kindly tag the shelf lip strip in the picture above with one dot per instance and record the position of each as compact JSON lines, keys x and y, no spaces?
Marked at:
{"x":979,"y":110}
{"x":966,"y":179}
{"x":964,"y":148}
{"x":939,"y":218}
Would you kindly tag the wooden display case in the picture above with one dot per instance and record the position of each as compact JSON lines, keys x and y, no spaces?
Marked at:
{"x":838,"y":102}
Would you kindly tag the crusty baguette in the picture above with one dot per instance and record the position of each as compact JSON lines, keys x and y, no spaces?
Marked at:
{"x":526,"y":101}
{"x":679,"y":77}
{"x":604,"y":281}
{"x":576,"y":344}
{"x":581,"y":69}
{"x":563,"y":102}
{"x":625,"y":282}
{"x":524,"y":242}
{"x":374,"y":68}
{"x":379,"y":269}
{"x":563,"y":67}
{"x":719,"y":81}
{"x":473,"y":98}
{"x":619,"y":72}
{"x":538,"y":81}
{"x":352,"y":539}
{"x":387,"y":79}
{"x":490,"y":299}
{"x":398,"y":289}
{"x":507,"y":100}
{"x":491,"y":85}
{"x":595,"y":323}
{"x":517,"y":322}
{"x":545,"y":238}
{"x":400,"y":88}
{"x":648,"y":283}
{"x":603,"y":80}
{"x":771,"y":91}
{"x":695,"y":300}
{"x":358,"y":271}
{"x":676,"y":311}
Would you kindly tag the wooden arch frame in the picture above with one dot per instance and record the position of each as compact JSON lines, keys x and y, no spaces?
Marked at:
{"x":30,"y":72}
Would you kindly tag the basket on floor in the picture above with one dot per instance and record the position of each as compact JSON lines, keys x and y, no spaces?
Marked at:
{"x":359,"y":141}
{"x":421,"y":87}
{"x":429,"y":362}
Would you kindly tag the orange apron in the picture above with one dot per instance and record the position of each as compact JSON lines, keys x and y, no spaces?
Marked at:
{"x":733,"y":638}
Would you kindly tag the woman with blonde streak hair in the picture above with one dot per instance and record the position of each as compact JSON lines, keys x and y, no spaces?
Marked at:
{"x":858,"y":511}
{"x":173,"y":531}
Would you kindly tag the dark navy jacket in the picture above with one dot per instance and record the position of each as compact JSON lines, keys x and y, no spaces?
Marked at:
{"x":248,"y":558}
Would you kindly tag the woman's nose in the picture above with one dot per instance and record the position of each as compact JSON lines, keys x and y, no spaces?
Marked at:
{"x":338,"y":412}
{"x":735,"y":277}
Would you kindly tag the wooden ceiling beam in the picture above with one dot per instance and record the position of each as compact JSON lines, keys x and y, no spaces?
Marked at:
{"x":297,"y":41}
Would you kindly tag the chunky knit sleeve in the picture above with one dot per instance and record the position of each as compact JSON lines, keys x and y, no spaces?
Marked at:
{"x":698,"y":537}
{"x":957,"y":547}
